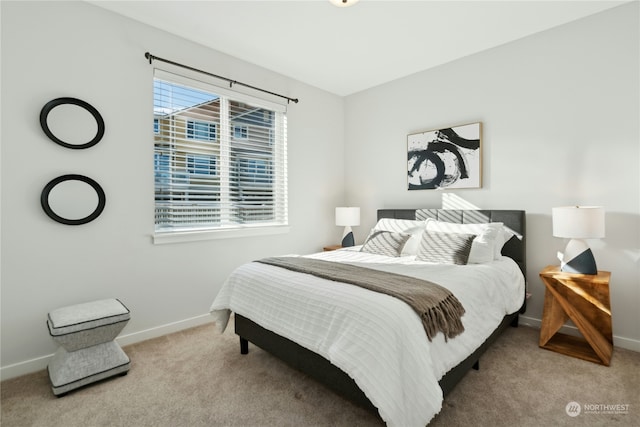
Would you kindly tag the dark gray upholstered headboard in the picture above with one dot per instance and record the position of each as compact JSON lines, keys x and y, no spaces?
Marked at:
{"x":515,"y":220}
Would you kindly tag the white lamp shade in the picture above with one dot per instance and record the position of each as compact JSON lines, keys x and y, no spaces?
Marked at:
{"x":347,"y":216}
{"x":578,"y":222}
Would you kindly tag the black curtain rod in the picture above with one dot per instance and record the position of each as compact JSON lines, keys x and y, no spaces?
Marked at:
{"x":232,"y":82}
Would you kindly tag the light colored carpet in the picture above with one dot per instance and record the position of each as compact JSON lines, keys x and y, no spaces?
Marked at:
{"x":198,"y":378}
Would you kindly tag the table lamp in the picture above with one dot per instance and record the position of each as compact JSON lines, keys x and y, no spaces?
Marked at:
{"x":347,"y":217}
{"x":577,"y":223}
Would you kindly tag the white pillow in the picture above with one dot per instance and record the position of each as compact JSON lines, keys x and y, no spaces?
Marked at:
{"x":406,"y":226}
{"x":488,"y":239}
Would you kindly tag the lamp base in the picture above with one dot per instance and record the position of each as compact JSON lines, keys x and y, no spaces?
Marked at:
{"x":347,"y":237}
{"x":578,"y":258}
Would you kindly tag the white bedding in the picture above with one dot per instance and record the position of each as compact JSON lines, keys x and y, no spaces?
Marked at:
{"x":375,"y":338}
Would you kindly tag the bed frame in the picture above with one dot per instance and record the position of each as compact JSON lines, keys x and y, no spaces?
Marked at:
{"x":323,"y":371}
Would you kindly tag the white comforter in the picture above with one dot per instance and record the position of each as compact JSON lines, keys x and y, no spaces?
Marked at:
{"x":375,"y":338}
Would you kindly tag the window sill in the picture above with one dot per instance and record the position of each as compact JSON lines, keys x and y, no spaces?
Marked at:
{"x":198,"y":235}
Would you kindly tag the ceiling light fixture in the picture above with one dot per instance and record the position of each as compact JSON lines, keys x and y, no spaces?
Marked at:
{"x":343,"y":3}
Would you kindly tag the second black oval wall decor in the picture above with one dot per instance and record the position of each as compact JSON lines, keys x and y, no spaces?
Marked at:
{"x":92,"y":211}
{"x":46,"y":110}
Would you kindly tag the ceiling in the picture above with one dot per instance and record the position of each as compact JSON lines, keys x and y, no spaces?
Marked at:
{"x":347,"y":50}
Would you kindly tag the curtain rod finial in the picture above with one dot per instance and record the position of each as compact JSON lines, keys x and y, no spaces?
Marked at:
{"x":148,"y":56}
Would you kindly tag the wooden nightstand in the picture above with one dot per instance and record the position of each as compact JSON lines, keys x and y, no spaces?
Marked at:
{"x":331,"y":248}
{"x":583,"y":298}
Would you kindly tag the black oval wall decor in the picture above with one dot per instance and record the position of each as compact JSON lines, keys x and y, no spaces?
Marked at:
{"x":44,"y":199}
{"x":80,"y":103}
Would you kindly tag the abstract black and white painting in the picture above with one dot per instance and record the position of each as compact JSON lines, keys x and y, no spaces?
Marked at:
{"x":445,"y":158}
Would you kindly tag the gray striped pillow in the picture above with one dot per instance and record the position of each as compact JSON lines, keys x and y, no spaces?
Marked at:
{"x":445,"y":248}
{"x":385,"y":243}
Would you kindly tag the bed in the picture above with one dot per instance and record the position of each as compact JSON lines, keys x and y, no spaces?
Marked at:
{"x":371,"y":348}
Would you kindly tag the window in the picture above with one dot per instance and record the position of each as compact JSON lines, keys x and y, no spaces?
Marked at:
{"x":201,"y":130}
{"x":220,"y":158}
{"x":198,"y":164}
{"x":240,"y":132}
{"x":254,"y":171}
{"x":161,"y":168}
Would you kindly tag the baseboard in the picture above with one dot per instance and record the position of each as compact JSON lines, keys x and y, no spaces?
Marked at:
{"x":159,"y":331}
{"x":23,"y":368}
{"x":40,"y":363}
{"x":622,"y":342}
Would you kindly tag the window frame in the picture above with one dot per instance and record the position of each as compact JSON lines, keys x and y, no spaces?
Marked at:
{"x":280,"y":185}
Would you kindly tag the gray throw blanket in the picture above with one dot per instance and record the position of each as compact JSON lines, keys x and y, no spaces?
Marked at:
{"x":437,"y":307}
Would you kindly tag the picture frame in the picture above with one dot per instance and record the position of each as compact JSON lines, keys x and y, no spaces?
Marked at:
{"x":445,"y":158}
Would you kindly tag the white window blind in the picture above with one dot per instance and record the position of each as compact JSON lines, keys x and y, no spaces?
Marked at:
{"x":220,"y":158}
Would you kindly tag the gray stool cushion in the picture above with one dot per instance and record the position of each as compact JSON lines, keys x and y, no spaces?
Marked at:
{"x":83,"y":325}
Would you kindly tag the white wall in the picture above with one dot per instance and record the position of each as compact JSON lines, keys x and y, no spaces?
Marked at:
{"x":54,"y":49}
{"x":560,"y":112}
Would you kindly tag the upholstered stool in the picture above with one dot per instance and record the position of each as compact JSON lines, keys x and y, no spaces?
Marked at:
{"x":88,"y":352}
